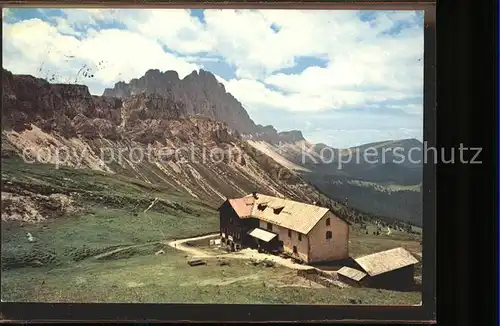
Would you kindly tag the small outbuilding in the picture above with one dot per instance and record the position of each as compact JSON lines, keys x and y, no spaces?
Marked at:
{"x":390,"y":269}
{"x":352,"y":277}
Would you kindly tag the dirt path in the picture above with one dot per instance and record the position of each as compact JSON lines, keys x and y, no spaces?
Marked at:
{"x":246,"y":253}
{"x":198,"y":253}
{"x":108,"y":253}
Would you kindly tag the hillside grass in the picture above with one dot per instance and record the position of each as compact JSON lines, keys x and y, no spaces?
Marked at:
{"x":362,"y":244}
{"x":94,"y":188}
{"x":71,"y":270}
{"x":167,"y":278}
{"x":67,"y":240}
{"x":388,"y":202}
{"x":105,"y":251}
{"x":385,"y":187}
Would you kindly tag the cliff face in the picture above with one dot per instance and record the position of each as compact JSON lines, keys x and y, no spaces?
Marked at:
{"x":154,"y":137}
{"x":292,"y":136}
{"x":71,"y":111}
{"x":201,"y":95}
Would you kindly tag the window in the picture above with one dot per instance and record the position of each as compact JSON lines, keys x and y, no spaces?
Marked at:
{"x":269,"y":226}
{"x":230,"y":220}
{"x":294,"y":249}
{"x":300,"y":237}
{"x":328,"y":234}
{"x":278,"y":210}
{"x":289,"y":233}
{"x":261,"y":207}
{"x":328,"y":221}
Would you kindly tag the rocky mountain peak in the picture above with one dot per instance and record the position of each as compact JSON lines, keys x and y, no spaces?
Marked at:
{"x":70,"y":110}
{"x":197,"y":94}
{"x":291,"y":136}
{"x":200,"y":91}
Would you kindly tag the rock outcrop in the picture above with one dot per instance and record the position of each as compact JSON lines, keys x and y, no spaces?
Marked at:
{"x":200,"y":92}
{"x":292,"y":136}
{"x":201,"y":95}
{"x":158,"y":137}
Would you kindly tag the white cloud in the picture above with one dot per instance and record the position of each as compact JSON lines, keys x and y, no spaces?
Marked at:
{"x":82,"y":18}
{"x":128,"y":55}
{"x":258,"y":95}
{"x":310,"y":95}
{"x":246,"y":40}
{"x":364,"y":66}
{"x":30,"y":44}
{"x":174,"y":28}
{"x":337,"y":35}
{"x":201,"y":59}
{"x":64,"y":27}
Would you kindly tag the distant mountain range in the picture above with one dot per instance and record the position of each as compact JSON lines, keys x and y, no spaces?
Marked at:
{"x":201,"y":94}
{"x":159,"y":108}
{"x":387,"y":181}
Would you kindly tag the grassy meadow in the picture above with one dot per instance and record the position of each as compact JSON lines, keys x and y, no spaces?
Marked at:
{"x":104,"y":251}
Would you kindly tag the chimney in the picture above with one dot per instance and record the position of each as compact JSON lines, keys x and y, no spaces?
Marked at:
{"x":254,"y":194}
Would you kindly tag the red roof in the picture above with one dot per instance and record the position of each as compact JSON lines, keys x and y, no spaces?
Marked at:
{"x":242,"y":206}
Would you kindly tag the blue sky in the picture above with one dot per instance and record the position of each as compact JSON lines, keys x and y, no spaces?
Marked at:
{"x":342,"y":77}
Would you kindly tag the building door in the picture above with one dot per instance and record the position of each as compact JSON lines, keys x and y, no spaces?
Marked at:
{"x":263,"y":246}
{"x":295,"y":249}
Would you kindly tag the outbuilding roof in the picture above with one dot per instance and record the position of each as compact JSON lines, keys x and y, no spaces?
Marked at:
{"x":351,"y":273}
{"x":386,"y":261}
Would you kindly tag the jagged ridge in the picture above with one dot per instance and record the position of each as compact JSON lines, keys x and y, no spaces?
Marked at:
{"x":202,"y":95}
{"x":40,"y":119}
